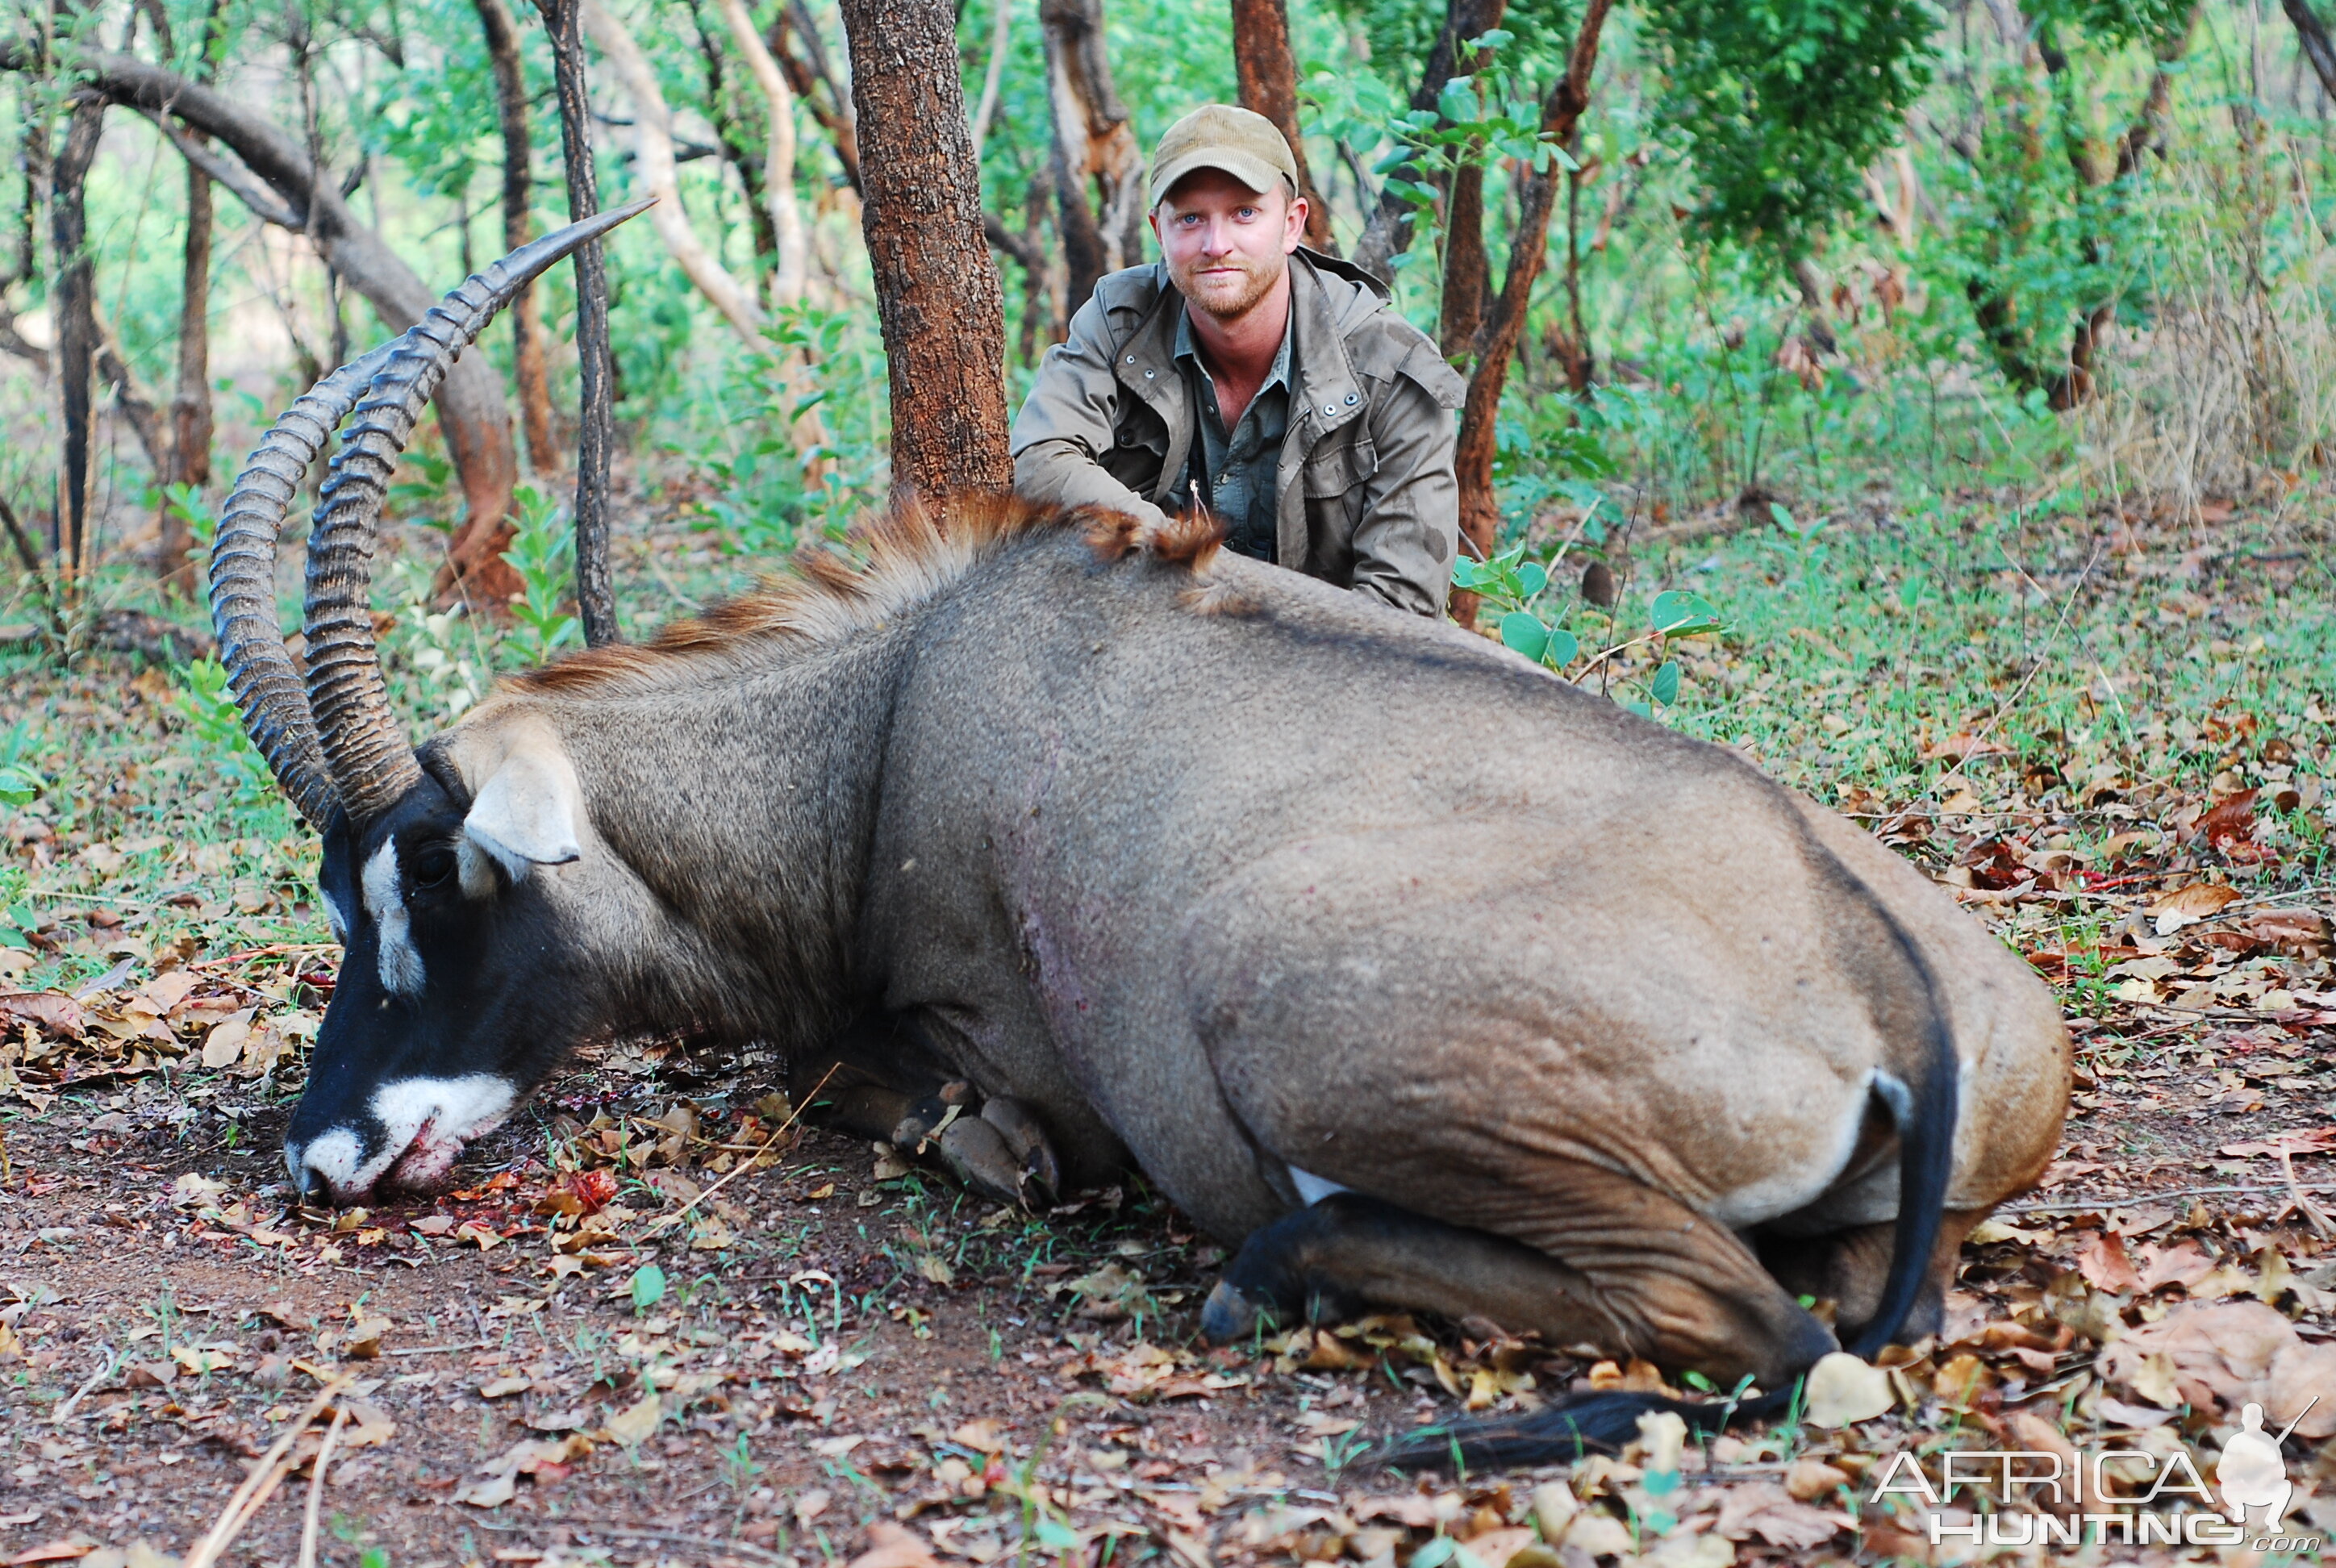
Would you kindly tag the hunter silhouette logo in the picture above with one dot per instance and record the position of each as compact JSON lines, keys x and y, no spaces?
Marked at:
{"x":2253,"y":1473}
{"x":2153,"y":1499}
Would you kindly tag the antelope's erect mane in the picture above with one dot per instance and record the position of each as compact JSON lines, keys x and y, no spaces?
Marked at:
{"x":910,"y":554}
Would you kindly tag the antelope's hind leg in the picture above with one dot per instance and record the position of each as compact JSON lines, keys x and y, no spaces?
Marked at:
{"x":1339,"y":1257}
{"x":1681,"y":1291}
{"x":1851,"y":1267}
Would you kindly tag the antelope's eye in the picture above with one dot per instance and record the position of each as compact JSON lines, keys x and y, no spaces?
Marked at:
{"x":433,"y":864}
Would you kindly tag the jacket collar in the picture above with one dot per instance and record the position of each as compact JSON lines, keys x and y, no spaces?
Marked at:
{"x":1327,"y":298}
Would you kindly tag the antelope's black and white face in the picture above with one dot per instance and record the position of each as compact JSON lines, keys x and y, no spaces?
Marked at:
{"x":465,"y":974}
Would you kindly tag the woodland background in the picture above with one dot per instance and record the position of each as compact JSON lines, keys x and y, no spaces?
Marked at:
{"x":1931,"y":402}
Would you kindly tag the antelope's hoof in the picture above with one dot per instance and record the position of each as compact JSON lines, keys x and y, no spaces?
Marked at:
{"x":1041,"y":1172}
{"x":977,"y":1153}
{"x":1229,"y":1315}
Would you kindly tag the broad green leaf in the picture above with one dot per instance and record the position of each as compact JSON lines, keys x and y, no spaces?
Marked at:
{"x":1056,"y":1534}
{"x":1563,"y":647}
{"x":1666,"y":684}
{"x":1641,"y":709}
{"x":1532,"y":577}
{"x":648,"y":1287}
{"x":1678,"y":612}
{"x":1524,"y":632}
{"x":1435,"y":1554}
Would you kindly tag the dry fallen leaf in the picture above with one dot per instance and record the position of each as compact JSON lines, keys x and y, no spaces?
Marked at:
{"x":363,"y":1341}
{"x":487,"y":1491}
{"x":223,"y":1046}
{"x":1768,"y":1512}
{"x":2218,"y":1358}
{"x":889,"y":1546}
{"x":2186,"y":906}
{"x":1809,"y":1480}
{"x":985,"y":1436}
{"x":1842,"y":1391}
{"x":636,"y":1423}
{"x":2107,"y":1266}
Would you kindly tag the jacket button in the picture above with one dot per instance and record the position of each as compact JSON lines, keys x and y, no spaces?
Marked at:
{"x":1150,"y":374}
{"x":1326,"y":409}
{"x":1351,"y":400}
{"x":1131,"y":359}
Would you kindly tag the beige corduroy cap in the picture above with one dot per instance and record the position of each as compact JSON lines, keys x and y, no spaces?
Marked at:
{"x":1247,"y":146}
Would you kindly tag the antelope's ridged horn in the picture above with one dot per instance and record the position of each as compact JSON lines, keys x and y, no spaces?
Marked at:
{"x":371,"y":762}
{"x":243,"y":589}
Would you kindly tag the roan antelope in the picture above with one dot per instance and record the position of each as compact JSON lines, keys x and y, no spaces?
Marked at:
{"x":1421,"y":976}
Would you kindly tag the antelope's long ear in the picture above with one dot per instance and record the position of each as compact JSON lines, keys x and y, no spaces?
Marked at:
{"x":529,"y":810}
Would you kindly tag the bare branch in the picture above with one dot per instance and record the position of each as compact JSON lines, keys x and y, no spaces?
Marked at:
{"x":254,"y":197}
{"x":653,"y":149}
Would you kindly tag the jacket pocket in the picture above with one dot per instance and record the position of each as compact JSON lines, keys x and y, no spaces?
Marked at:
{"x":1338,"y":466}
{"x":1334,"y":483}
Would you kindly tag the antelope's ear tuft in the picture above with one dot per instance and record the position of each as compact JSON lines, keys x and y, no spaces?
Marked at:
{"x":529,"y":812}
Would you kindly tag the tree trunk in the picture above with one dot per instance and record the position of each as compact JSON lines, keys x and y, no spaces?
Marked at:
{"x":501,"y":29}
{"x":1467,"y":272}
{"x":596,"y":594}
{"x":815,"y":84}
{"x":652,"y":133}
{"x":1480,"y":508}
{"x":1095,"y":141}
{"x":2311,"y":32}
{"x":1388,"y":233}
{"x":77,"y":339}
{"x":734,"y":150}
{"x":993,"y":74}
{"x":1085,"y":257}
{"x":470,"y":405}
{"x":190,"y":401}
{"x":792,"y":242}
{"x":936,"y":288}
{"x":1269,"y":86}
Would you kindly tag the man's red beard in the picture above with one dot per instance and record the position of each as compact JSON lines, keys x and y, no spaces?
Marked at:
{"x":1212,"y":294}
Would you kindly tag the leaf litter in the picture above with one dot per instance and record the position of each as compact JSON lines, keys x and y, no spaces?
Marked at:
{"x":663,"y":1318}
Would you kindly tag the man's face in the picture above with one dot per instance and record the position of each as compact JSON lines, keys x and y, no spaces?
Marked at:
{"x":1226,"y":245}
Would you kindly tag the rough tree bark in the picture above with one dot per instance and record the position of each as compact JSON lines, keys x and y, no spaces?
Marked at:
{"x":190,"y":445}
{"x":77,"y":336}
{"x":936,"y":288}
{"x":1505,"y":318}
{"x":596,"y":594}
{"x":1093,"y":140}
{"x":470,"y":405}
{"x":2311,"y":32}
{"x":1269,"y":86}
{"x":1388,"y":232}
{"x":501,"y":30}
{"x":652,"y":135}
{"x":1467,"y":269}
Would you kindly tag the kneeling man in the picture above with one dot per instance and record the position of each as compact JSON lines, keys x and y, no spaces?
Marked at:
{"x":1247,"y":375}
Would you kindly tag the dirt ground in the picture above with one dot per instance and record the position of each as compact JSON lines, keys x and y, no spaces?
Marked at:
{"x":840,"y":1346}
{"x":661,"y":1322}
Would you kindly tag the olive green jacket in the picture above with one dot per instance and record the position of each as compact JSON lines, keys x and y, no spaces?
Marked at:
{"x":1365,"y":488}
